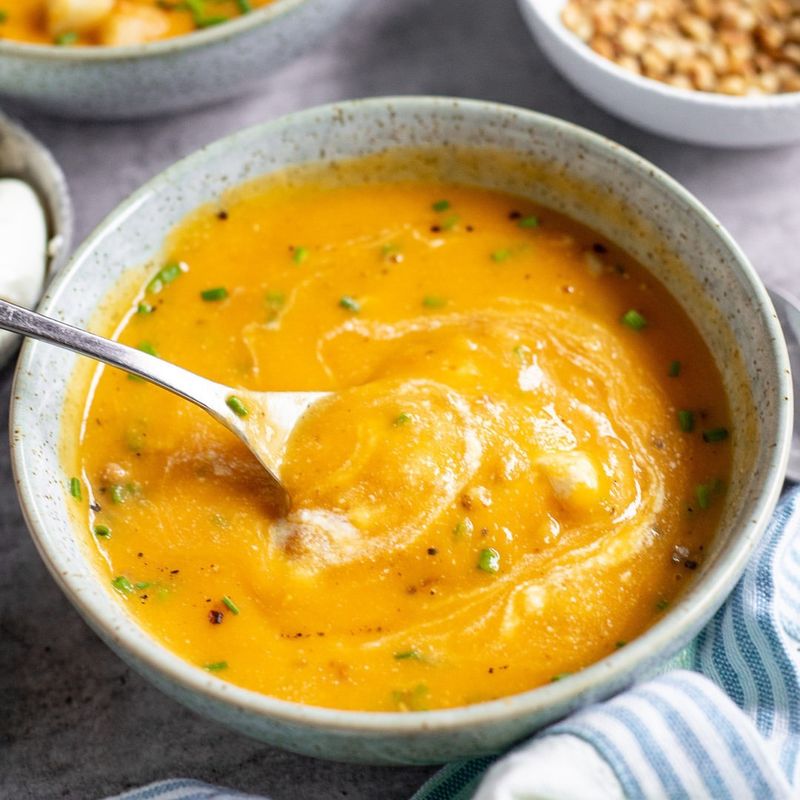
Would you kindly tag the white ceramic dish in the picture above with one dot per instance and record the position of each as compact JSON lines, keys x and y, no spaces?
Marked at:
{"x":24,"y":157}
{"x":567,"y":168}
{"x":698,"y":117}
{"x":167,"y":76}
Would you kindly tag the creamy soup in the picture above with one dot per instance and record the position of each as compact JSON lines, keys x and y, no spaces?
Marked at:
{"x":522,"y":461}
{"x":113,"y":22}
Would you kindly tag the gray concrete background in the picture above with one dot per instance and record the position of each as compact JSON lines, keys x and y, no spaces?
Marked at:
{"x":74,"y":721}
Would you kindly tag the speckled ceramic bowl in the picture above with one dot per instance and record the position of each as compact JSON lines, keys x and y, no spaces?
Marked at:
{"x":23,"y":157}
{"x":166,"y":76}
{"x":717,"y":120}
{"x":562,"y":166}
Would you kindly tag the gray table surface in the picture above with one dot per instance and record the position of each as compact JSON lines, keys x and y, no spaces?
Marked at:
{"x":74,"y":721}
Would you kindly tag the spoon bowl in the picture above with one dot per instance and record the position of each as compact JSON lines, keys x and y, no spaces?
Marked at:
{"x":262,"y":420}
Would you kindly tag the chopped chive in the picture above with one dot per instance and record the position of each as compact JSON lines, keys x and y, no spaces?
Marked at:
{"x":143,"y":585}
{"x":715,"y":435}
{"x":489,"y":560}
{"x":147,"y":347}
{"x":620,"y":644}
{"x":167,"y":274}
{"x":412,"y":699}
{"x":3,"y":17}
{"x":230,"y":605}
{"x":212,"y":295}
{"x":500,"y":255}
{"x":703,"y":494}
{"x":433,"y":301}
{"x":117,"y":493}
{"x":464,"y":527}
{"x":75,"y":488}
{"x":674,"y":369}
{"x":65,"y":39}
{"x":560,"y":677}
{"x":275,"y":299}
{"x":529,"y":222}
{"x":122,"y":584}
{"x":102,"y":530}
{"x":208,"y":22}
{"x":402,"y":419}
{"x":237,"y":406}
{"x":686,"y":421}
{"x":300,"y":255}
{"x":522,"y":352}
{"x":389,"y":249}
{"x":449,"y":222}
{"x":245,"y":6}
{"x":441,"y":205}
{"x":216,"y":666}
{"x":145,"y":308}
{"x":634,"y":320}
{"x":408,"y":655}
{"x":349,"y":303}
{"x":662,"y":604}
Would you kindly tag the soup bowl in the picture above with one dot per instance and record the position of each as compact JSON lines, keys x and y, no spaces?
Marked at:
{"x":557,"y":164}
{"x":166,"y":76}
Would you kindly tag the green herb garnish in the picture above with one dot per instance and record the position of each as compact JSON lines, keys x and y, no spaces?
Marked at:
{"x":529,"y":222}
{"x":686,"y":421}
{"x":715,"y":435}
{"x":215,"y":294}
{"x":244,"y":6}
{"x":634,"y":320}
{"x":349,"y":303}
{"x":66,"y":39}
{"x":275,"y":299}
{"x":102,"y":530}
{"x":662,"y":605}
{"x":489,"y":560}
{"x":75,"y":488}
{"x":237,"y":406}
{"x":145,"y":308}
{"x":448,"y":223}
{"x":433,"y":301}
{"x":674,"y":369}
{"x":147,"y":347}
{"x":620,"y":644}
{"x":441,"y":205}
{"x":408,"y":655}
{"x":167,"y":274}
{"x":122,"y":584}
{"x":522,"y":353}
{"x":560,"y":677}
{"x":216,"y":666}
{"x":499,"y":256}
{"x":117,"y":493}
{"x":3,"y":17}
{"x":402,"y":419}
{"x":464,"y":527}
{"x":230,"y":605}
{"x":300,"y":254}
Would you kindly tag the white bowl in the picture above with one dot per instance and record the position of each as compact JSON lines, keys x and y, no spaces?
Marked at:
{"x":699,"y":117}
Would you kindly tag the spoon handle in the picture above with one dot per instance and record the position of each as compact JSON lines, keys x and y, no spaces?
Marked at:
{"x":205,"y":393}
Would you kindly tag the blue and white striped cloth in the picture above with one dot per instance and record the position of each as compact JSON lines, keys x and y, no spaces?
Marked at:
{"x":726,"y":728}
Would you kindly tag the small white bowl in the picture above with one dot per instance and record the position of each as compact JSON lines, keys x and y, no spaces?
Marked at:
{"x":699,"y":117}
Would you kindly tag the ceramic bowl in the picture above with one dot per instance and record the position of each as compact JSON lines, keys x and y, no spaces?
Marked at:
{"x":167,"y":76}
{"x":564,"y":167}
{"x":23,"y":157}
{"x":698,"y":117}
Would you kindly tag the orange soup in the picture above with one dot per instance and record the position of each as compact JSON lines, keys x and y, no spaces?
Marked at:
{"x":521,"y":462}
{"x":113,"y":22}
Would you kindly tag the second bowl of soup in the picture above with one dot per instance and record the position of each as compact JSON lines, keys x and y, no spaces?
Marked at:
{"x":539,"y":467}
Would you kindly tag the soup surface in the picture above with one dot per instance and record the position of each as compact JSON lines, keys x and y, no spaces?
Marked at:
{"x":113,"y":22}
{"x":521,"y":462}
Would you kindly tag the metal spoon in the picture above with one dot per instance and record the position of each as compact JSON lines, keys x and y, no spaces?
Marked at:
{"x":262,"y":420}
{"x":788,"y":310}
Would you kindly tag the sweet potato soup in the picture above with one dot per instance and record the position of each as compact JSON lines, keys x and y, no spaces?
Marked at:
{"x":113,"y":22}
{"x":522,"y":461}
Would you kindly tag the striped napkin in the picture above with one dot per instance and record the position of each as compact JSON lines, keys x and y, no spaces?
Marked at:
{"x":725,"y":726}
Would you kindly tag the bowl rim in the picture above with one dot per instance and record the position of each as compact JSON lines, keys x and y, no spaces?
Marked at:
{"x":186,"y":41}
{"x":594,"y":61}
{"x":694,"y":607}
